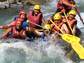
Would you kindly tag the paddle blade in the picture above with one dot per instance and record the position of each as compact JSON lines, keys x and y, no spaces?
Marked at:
{"x":70,"y":38}
{"x":79,"y":49}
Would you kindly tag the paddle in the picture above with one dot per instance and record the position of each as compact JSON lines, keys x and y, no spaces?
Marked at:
{"x":79,"y":14}
{"x":74,"y":41}
{"x":36,"y":24}
{"x":56,"y":26}
{"x":77,"y":9}
{"x":67,"y":37}
{"x":43,"y":27}
{"x":68,"y":23}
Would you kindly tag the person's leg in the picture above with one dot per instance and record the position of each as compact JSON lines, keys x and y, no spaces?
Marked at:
{"x":15,"y":34}
{"x":23,"y":34}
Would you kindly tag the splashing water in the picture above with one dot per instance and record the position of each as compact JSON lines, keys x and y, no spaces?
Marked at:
{"x":38,"y":51}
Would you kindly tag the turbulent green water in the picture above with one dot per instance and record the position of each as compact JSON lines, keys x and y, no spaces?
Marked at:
{"x":38,"y":51}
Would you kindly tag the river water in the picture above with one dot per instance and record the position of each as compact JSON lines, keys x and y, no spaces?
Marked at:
{"x":37,"y":51}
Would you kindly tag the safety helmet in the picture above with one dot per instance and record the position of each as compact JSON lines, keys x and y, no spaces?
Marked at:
{"x":73,"y":12}
{"x":47,"y":26}
{"x":57,"y":16}
{"x":38,"y":7}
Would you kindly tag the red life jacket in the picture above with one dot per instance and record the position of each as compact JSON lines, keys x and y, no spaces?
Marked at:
{"x":37,"y":19}
{"x":16,"y":31}
{"x":61,"y":6}
{"x":14,"y":23}
{"x":72,"y":22}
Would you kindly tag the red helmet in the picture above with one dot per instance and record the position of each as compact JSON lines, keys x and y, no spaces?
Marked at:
{"x":22,"y":14}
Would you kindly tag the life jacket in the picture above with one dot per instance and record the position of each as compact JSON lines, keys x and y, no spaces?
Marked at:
{"x":15,"y":22}
{"x":37,"y":19}
{"x":14,"y":26}
{"x":72,"y":22}
{"x":61,"y":6}
{"x":66,"y":27}
{"x":16,"y":30}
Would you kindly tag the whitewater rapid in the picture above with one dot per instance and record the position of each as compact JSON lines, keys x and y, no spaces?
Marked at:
{"x":38,"y":51}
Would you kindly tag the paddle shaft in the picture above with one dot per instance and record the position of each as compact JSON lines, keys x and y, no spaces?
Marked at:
{"x":36,"y":24}
{"x":76,"y":8}
{"x":79,"y":15}
{"x":56,"y":26}
{"x":68,"y":23}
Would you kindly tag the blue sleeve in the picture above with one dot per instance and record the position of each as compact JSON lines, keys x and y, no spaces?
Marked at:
{"x":24,"y":25}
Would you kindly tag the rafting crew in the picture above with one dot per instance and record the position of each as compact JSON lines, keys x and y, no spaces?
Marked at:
{"x":28,"y":23}
{"x":20,"y":19}
{"x":32,"y":24}
{"x":15,"y":31}
{"x":64,"y":24}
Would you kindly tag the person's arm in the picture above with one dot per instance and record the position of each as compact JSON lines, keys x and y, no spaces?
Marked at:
{"x":67,"y":3}
{"x":12,"y":24}
{"x":6,"y":33}
{"x":74,"y":30}
{"x":4,"y":27}
{"x":74,"y":27}
{"x":8,"y":26}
